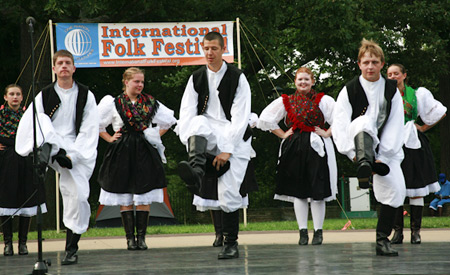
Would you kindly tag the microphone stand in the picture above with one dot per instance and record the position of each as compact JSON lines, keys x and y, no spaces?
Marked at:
{"x":40,"y":267}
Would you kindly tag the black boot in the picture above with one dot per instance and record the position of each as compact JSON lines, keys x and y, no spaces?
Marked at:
{"x":43,"y":158}
{"x":416,"y":223}
{"x":398,"y":227}
{"x":24,"y":226}
{"x":383,"y":247}
{"x":318,"y":237}
{"x":230,"y":231}
{"x":365,"y":158}
{"x":71,"y":256}
{"x":303,"y":237}
{"x":7,"y":235}
{"x":384,"y":229}
{"x":141,"y":229}
{"x":217,"y":221}
{"x":128,"y":225}
{"x":193,"y":170}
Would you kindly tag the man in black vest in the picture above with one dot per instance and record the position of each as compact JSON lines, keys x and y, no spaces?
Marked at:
{"x":367,"y":127}
{"x":214,"y":116}
{"x":68,"y":132}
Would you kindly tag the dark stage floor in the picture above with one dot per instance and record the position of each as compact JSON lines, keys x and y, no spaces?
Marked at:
{"x":355,"y":258}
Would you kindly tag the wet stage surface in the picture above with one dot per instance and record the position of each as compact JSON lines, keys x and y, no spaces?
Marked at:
{"x":353,"y":258}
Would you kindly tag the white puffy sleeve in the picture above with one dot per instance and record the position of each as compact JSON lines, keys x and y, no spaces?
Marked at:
{"x":272,"y":115}
{"x":164,"y":117}
{"x":105,"y":111}
{"x":326,"y":106}
{"x":188,"y":110}
{"x":428,"y":108}
{"x":342,"y":115}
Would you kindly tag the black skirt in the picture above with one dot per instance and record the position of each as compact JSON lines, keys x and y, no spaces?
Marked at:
{"x":301,"y":172}
{"x":208,"y":189}
{"x":418,"y":165}
{"x":131,"y":165}
{"x":16,"y":181}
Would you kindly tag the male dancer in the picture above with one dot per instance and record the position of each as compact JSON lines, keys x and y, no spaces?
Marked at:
{"x":67,"y":126}
{"x":367,"y":127}
{"x":214,"y":115}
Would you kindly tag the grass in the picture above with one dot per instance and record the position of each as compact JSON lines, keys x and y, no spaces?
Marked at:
{"x":330,"y":224}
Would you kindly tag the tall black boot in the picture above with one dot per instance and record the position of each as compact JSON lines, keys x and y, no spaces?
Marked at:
{"x":398,"y":227}
{"x":7,"y":235}
{"x":365,"y":157}
{"x":24,"y":227}
{"x":128,"y":225}
{"x":141,"y":229}
{"x":416,"y":223}
{"x":72,"y":240}
{"x":193,"y":170}
{"x":217,"y":221}
{"x":230,"y":232}
{"x":384,"y":228}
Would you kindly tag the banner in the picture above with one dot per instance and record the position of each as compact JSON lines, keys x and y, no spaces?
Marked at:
{"x":140,"y":44}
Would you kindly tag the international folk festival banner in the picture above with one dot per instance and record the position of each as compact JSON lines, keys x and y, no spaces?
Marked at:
{"x":140,"y":44}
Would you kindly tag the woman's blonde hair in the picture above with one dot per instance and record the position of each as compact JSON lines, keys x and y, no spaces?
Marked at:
{"x":129,"y":73}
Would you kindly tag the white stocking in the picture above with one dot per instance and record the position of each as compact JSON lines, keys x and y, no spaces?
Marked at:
{"x":301,"y":212}
{"x":318,"y":213}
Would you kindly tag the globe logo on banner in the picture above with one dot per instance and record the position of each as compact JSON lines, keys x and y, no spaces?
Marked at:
{"x":78,"y":42}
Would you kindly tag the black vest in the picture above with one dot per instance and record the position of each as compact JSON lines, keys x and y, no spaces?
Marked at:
{"x":358,"y":100}
{"x":227,"y":91}
{"x":51,"y":102}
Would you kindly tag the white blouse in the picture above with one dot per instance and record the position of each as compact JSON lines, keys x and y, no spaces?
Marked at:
{"x":163,"y":118}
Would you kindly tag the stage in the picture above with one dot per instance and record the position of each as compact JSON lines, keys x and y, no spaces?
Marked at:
{"x":264,"y":252}
{"x":331,"y":258}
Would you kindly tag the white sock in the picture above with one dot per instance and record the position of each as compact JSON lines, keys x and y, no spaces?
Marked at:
{"x":301,"y":212}
{"x":318,"y":213}
{"x":416,"y":202}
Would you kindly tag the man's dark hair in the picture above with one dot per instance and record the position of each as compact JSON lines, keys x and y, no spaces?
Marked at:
{"x":214,"y":36}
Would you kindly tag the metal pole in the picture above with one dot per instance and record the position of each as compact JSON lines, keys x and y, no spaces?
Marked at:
{"x":52,"y":50}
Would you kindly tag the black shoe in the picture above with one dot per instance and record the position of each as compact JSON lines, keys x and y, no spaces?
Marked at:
{"x":70,"y":258}
{"x":384,"y":248}
{"x":363,"y":174}
{"x":131,"y":244}
{"x":303,"y":237}
{"x":23,"y":249}
{"x":415,"y":237}
{"x":62,"y":159}
{"x":229,"y":251}
{"x":318,"y":237}
{"x":398,"y":237}
{"x":218,"y":241}
{"x":381,"y":169}
{"x":8,"y":251}
{"x":141,"y":245}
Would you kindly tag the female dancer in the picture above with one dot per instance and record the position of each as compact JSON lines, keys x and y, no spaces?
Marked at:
{"x":132,"y":172}
{"x":18,"y":196}
{"x":418,"y":164}
{"x":306,"y":169}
